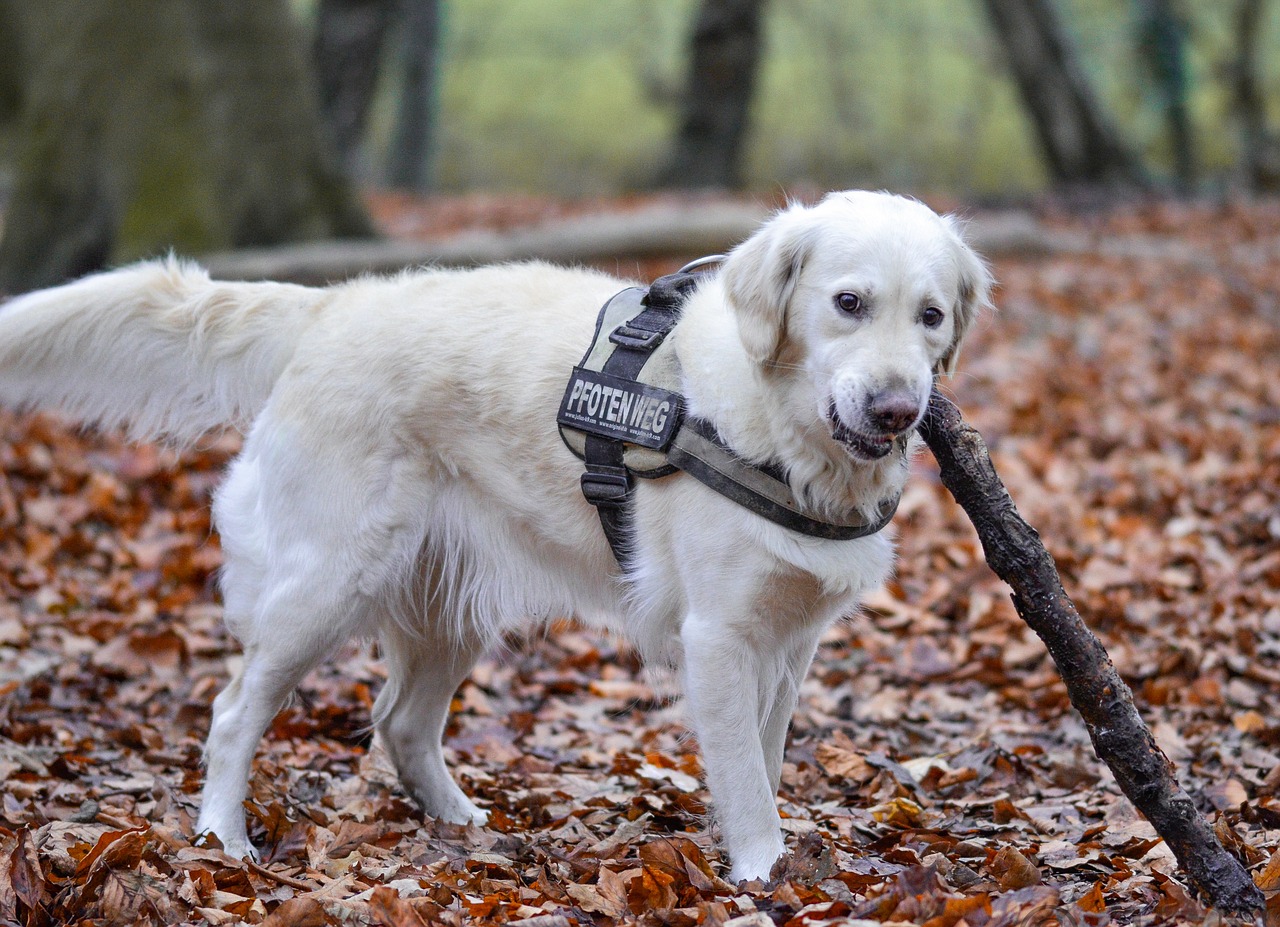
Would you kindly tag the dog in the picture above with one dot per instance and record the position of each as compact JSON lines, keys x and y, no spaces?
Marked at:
{"x":402,"y":476}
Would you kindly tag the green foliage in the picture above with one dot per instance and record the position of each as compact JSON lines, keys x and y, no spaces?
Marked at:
{"x":579,"y":96}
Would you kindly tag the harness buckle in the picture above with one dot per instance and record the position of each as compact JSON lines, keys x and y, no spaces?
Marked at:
{"x":606,"y":486}
{"x":630,"y":337}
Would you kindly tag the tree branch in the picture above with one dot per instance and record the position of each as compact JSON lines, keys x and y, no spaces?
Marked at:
{"x":1120,"y":738}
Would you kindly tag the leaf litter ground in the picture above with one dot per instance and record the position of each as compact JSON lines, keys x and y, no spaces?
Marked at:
{"x":935,"y":773}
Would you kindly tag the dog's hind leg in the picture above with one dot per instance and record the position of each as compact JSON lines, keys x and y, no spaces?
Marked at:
{"x":241,"y":714}
{"x":303,"y":567}
{"x":298,"y":620}
{"x":423,"y":672}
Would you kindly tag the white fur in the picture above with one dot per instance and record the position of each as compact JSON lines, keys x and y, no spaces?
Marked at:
{"x":402,"y":474}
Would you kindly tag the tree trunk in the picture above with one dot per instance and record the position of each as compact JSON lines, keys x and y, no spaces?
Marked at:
{"x":12,"y":61}
{"x":1162,"y":42}
{"x":1080,"y":145}
{"x":347,"y":53}
{"x":1261,"y":147}
{"x":411,"y":161}
{"x":724,"y":61}
{"x":166,"y":124}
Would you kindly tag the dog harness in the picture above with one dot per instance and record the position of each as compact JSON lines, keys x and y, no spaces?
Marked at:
{"x":623,"y":415}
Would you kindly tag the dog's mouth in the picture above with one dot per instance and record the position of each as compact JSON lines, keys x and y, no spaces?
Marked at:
{"x":860,"y":444}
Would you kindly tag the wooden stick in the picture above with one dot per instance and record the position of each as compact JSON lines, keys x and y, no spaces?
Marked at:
{"x":1121,"y":739}
{"x":279,"y":877}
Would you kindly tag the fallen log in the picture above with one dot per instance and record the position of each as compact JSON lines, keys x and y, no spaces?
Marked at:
{"x":662,"y":230}
{"x":1121,"y":739}
{"x":659,"y":231}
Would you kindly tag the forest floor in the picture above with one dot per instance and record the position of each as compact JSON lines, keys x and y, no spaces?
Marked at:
{"x":935,"y":773}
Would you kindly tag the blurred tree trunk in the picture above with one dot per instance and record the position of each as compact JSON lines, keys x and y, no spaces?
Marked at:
{"x":1162,"y":43}
{"x":348,"y":52}
{"x":1080,"y":145}
{"x":1261,"y":146}
{"x":723,"y":63}
{"x":157,"y":124}
{"x":411,"y":160}
{"x":12,"y":61}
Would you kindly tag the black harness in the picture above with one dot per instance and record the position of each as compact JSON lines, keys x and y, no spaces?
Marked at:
{"x":623,"y":427}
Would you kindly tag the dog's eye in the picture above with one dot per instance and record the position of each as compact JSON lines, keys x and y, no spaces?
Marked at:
{"x":849,"y":303}
{"x":932,"y":317}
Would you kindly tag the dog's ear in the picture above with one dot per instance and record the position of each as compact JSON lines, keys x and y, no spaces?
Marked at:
{"x":975,"y":283}
{"x":760,"y":278}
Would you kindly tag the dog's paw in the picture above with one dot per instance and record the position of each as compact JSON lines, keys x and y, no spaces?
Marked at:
{"x":450,"y":804}
{"x":235,"y":847}
{"x":465,"y":813}
{"x":755,"y":866}
{"x":241,"y":849}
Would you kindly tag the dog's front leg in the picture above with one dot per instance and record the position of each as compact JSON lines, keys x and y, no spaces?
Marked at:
{"x":798,"y":654}
{"x":730,"y":684}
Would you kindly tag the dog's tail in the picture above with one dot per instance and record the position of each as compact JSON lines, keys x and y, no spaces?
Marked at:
{"x":157,"y":346}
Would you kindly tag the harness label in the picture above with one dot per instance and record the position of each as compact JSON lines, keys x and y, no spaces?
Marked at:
{"x":613,"y":407}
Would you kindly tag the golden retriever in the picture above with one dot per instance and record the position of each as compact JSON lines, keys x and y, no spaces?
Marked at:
{"x":402,"y":474}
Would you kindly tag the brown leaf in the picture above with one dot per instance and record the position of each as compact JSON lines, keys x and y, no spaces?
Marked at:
{"x":1249,"y":722}
{"x":1268,"y":879}
{"x":1013,"y":870}
{"x":608,"y":896}
{"x":25,"y":877}
{"x":616,"y":844}
{"x":391,"y":910}
{"x":301,"y":911}
{"x":650,"y":890}
{"x":1227,"y":835}
{"x":114,"y":849}
{"x":1175,"y":902}
{"x":809,"y":864}
{"x":8,"y":897}
{"x":1092,"y":900}
{"x":839,"y":759}
{"x":1035,"y":904}
{"x":958,"y":909}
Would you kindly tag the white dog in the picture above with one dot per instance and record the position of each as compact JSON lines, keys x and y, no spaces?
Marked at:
{"x":402,"y":473}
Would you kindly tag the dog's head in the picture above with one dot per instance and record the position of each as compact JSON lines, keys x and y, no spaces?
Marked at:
{"x":865,"y":297}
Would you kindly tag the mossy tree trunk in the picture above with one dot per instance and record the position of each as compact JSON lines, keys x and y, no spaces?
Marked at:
{"x":151,"y":125}
{"x":724,"y":59}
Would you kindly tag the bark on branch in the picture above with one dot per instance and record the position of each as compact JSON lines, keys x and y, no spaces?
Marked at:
{"x":1120,"y":738}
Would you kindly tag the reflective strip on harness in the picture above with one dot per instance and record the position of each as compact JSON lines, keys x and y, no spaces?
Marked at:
{"x":614,"y":407}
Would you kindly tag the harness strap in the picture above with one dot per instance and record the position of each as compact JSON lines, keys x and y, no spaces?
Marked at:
{"x":696,"y":447}
{"x":607,"y":482}
{"x":699,"y":451}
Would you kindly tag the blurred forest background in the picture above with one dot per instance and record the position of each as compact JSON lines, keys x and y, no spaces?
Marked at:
{"x":127,"y":128}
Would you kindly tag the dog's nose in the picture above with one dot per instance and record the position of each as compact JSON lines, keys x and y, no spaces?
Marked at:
{"x":892,"y":411}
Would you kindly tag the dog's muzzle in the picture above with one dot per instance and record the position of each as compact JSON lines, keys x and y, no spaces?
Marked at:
{"x":866,"y":445}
